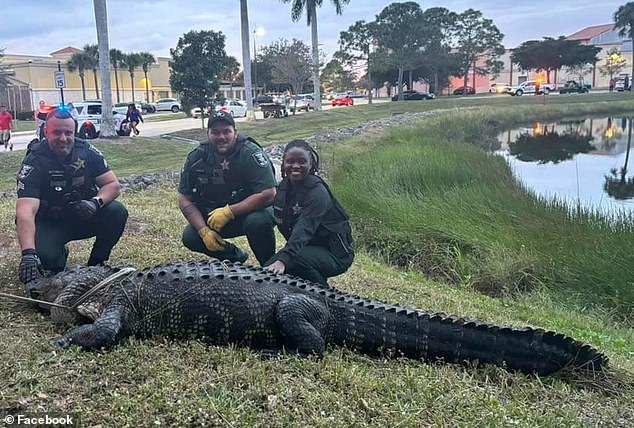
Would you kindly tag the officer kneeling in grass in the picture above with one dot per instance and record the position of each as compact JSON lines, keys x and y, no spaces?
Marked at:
{"x":226,"y":189}
{"x":66,"y":192}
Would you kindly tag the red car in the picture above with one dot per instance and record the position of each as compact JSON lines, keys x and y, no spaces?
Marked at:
{"x":342,"y":100}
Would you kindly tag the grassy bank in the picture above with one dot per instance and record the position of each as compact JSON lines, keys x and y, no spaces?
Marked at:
{"x":144,"y":383}
{"x":278,"y":131}
{"x":441,"y":203}
{"x":164,"y":382}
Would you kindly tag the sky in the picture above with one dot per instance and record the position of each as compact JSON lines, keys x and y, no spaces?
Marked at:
{"x":38,"y":27}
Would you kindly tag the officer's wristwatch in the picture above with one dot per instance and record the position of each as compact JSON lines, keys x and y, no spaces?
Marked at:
{"x":99,"y":201}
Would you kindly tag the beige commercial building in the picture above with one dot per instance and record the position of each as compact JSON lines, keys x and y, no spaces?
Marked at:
{"x":31,"y":78}
{"x":604,"y":36}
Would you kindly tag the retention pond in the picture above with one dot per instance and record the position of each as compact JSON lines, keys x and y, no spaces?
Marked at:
{"x":585,"y":163}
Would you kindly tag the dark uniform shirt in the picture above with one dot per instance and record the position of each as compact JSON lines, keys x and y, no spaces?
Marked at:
{"x":56,"y":184}
{"x":307,"y":214}
{"x":214,"y":183}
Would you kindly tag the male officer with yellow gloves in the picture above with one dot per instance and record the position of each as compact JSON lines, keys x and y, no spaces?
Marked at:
{"x":226,"y":189}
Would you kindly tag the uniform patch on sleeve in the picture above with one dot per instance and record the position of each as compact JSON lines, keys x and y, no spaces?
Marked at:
{"x":260,"y":158}
{"x":25,"y":171}
{"x":96,"y":150}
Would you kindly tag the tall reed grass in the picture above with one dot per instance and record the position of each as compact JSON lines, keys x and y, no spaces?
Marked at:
{"x":428,"y":195}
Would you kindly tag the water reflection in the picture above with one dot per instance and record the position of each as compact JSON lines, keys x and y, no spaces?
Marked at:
{"x":618,"y":185}
{"x":583,"y":162}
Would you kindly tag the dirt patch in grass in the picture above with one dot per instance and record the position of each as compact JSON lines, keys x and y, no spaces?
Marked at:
{"x":8,"y":246}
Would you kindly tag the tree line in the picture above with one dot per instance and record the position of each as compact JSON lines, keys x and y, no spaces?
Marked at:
{"x":402,"y":45}
{"x":88,"y":60}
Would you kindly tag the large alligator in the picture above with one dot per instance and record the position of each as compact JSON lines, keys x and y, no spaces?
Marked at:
{"x":230,"y":303}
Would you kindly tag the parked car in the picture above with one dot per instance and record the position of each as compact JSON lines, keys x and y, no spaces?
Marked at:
{"x":499,"y":88}
{"x":464,"y":90}
{"x":147,"y":107}
{"x":89,"y":120}
{"x":301,"y":102}
{"x":168,"y":104}
{"x":529,"y":87}
{"x":573,"y":86}
{"x":414,"y":95}
{"x":195,"y":112}
{"x":234,"y":107}
{"x":263,"y":99}
{"x":342,"y":100}
{"x":620,"y":83}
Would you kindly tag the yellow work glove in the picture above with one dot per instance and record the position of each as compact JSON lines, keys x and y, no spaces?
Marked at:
{"x":219,"y":217}
{"x":211,"y":239}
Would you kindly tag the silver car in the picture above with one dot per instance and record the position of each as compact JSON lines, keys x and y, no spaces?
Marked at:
{"x":168,"y":104}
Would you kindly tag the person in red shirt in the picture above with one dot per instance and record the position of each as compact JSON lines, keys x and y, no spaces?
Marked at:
{"x":6,"y":126}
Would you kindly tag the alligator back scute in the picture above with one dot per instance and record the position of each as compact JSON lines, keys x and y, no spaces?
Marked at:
{"x":195,"y":298}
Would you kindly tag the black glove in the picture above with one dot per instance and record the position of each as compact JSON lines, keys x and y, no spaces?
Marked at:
{"x":86,"y":208}
{"x":30,"y":267}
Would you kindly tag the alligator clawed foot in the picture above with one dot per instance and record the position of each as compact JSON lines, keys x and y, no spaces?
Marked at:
{"x":64,"y":342}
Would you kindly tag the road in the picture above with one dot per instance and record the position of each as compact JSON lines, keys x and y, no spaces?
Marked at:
{"x":154,"y":129}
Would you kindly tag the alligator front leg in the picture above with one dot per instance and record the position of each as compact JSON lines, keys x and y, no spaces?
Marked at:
{"x":302,"y":321}
{"x":104,"y":332}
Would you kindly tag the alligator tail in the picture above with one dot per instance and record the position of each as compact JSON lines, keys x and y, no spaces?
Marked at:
{"x":374,"y":327}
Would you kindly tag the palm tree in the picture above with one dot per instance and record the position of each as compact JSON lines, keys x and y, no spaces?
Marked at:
{"x":132,"y":61}
{"x":93,"y":53}
{"x":624,"y":21}
{"x":101,"y":23}
{"x":297,"y":8}
{"x":116,"y":60}
{"x":147,"y":59}
{"x":81,"y":62}
{"x":246,"y":57}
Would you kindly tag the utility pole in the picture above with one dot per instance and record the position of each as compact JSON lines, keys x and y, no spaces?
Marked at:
{"x":101,"y":22}
{"x":246,"y":61}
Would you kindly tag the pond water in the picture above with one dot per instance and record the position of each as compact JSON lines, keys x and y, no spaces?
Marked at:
{"x":584,"y":162}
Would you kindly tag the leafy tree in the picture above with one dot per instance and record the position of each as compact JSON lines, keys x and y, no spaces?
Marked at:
{"x":613,"y":63}
{"x":92,"y":51}
{"x":438,"y":61}
{"x":297,"y":8}
{"x":3,"y":77}
{"x":354,"y":46}
{"x":336,"y":77}
{"x":101,"y":23}
{"x":116,"y":60}
{"x":131,"y":61}
{"x":624,"y":22}
{"x":147,"y":59}
{"x":478,"y":38}
{"x":399,"y":35}
{"x":197,"y":61}
{"x":552,"y":54}
{"x":290,"y":63}
{"x":80,"y":62}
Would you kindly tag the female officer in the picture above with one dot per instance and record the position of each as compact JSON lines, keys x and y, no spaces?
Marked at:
{"x":315,"y":225}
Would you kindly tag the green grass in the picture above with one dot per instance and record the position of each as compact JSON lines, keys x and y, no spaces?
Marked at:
{"x":279,"y":131}
{"x":185,"y":383}
{"x":24,"y":125}
{"x":159,"y":381}
{"x":164,"y":117}
{"x":457,"y":213}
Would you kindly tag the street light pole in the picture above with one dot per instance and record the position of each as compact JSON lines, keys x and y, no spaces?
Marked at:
{"x":255,"y":68}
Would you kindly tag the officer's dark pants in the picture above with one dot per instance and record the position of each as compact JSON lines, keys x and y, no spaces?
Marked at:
{"x":106,"y":225}
{"x":257,"y":226}
{"x":316,"y":264}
